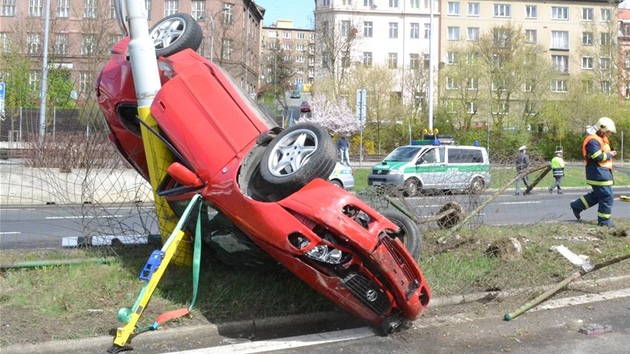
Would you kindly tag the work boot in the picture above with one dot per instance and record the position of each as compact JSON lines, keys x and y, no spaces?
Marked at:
{"x":576,"y":213}
{"x":560,"y":192}
{"x":550,"y":190}
{"x":608,"y":224}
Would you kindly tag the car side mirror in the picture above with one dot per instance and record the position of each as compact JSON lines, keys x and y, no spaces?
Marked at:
{"x":183,"y":175}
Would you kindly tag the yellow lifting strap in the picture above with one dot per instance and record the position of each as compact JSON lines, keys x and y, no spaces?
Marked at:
{"x":152,"y":274}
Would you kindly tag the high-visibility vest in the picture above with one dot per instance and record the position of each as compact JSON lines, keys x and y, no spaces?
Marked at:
{"x":605,"y":148}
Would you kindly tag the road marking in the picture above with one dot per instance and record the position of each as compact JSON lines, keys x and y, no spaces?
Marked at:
{"x":582,"y":299}
{"x":532,"y":202}
{"x":287,"y":343}
{"x":82,"y":217}
{"x":10,"y":232}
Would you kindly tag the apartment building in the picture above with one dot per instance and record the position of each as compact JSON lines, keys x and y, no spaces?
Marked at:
{"x":394,"y":33}
{"x":81,"y":33}
{"x":283,"y":43}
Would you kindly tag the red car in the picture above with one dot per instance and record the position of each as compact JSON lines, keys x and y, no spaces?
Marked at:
{"x":305,"y":107}
{"x":265,"y":191}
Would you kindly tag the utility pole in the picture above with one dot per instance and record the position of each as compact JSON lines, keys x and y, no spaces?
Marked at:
{"x":44,"y":86}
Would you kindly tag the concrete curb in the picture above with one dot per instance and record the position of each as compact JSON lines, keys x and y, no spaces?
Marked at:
{"x":100,"y":344}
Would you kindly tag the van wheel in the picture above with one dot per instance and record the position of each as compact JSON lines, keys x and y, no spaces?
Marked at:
{"x":477,"y":185}
{"x":410,"y":188}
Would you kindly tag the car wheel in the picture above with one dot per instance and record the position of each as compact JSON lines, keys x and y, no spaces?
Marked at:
{"x":477,"y":185}
{"x":296,"y":156}
{"x":336,"y":183}
{"x":410,"y":188}
{"x":409,"y":232}
{"x":174,"y":33}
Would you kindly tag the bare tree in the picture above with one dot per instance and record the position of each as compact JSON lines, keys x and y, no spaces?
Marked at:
{"x":335,"y":43}
{"x":278,"y":68}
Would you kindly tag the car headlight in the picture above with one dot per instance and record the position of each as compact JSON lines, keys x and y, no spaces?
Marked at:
{"x":326,"y":254}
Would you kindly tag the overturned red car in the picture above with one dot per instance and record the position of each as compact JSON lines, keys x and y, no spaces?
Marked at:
{"x":264,"y":188}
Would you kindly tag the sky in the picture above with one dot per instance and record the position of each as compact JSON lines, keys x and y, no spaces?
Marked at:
{"x":300,"y":11}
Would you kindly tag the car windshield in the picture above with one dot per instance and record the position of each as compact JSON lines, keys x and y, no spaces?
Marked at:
{"x":403,"y":153}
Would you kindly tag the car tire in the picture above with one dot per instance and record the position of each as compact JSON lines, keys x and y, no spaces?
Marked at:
{"x":336,"y":183}
{"x":174,"y":33}
{"x":295,"y":157}
{"x":409,"y":232}
{"x":410,"y":187}
{"x":477,"y":185}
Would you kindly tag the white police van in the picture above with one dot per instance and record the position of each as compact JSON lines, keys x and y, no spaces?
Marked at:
{"x":428,"y":164}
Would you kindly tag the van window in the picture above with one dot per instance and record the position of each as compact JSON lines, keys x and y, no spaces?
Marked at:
{"x":428,"y":157}
{"x":403,"y":153}
{"x":465,"y":156}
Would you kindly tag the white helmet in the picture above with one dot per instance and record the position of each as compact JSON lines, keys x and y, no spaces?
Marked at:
{"x":605,"y":124}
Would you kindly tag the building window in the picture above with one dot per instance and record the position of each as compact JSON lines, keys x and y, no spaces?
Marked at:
{"x":299,"y":59}
{"x":90,"y":7}
{"x":367,"y":58}
{"x":33,"y":80}
{"x":392,"y":60}
{"x":559,"y":13}
{"x":325,"y":3}
{"x":531,"y":11}
{"x":605,"y":38}
{"x":606,"y":86}
{"x":286,"y":35}
{"x":587,"y":63}
{"x":414,"y":30}
{"x":606,"y":15}
{"x":33,"y":43}
{"x":451,"y":84}
{"x":345,"y":28}
{"x":472,"y":84}
{"x":88,"y":44}
{"x":587,"y":38}
{"x":198,"y":9}
{"x":531,"y":36}
{"x":502,"y":10}
{"x":427,"y":30}
{"x":473,"y":34}
{"x":393,"y":30}
{"x":453,"y":8}
{"x":367,"y":29}
{"x":85,"y":81}
{"x":63,"y":8}
{"x":414,"y":61}
{"x":560,"y":63}
{"x":228,"y":13}
{"x":501,"y":37}
{"x":300,"y":47}
{"x":226,"y":49}
{"x":393,"y":3}
{"x":368,"y":3}
{"x":452,"y":33}
{"x":148,"y":5}
{"x":8,"y":7}
{"x":471,"y":107}
{"x":450,"y":57}
{"x":286,"y":46}
{"x":35,"y":8}
{"x":415,"y":4}
{"x":587,"y":14}
{"x":171,"y":7}
{"x":559,"y":40}
{"x":558,"y":86}
{"x":4,"y":43}
{"x":604,"y":63}
{"x":300,"y":35}
{"x":626,"y":59}
{"x":473,"y":9}
{"x":61,"y":44}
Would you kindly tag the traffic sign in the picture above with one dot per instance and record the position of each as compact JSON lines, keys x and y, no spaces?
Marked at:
{"x":2,"y":98}
{"x":361,"y":107}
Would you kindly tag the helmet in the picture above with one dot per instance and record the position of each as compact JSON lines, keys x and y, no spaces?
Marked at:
{"x":605,"y":124}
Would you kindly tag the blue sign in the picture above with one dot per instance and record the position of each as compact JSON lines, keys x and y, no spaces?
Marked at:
{"x":1,"y":97}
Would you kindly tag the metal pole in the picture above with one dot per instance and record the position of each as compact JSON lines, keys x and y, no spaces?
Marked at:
{"x":431,"y":36}
{"x":44,"y":86}
{"x":212,"y":38}
{"x":54,"y":122}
